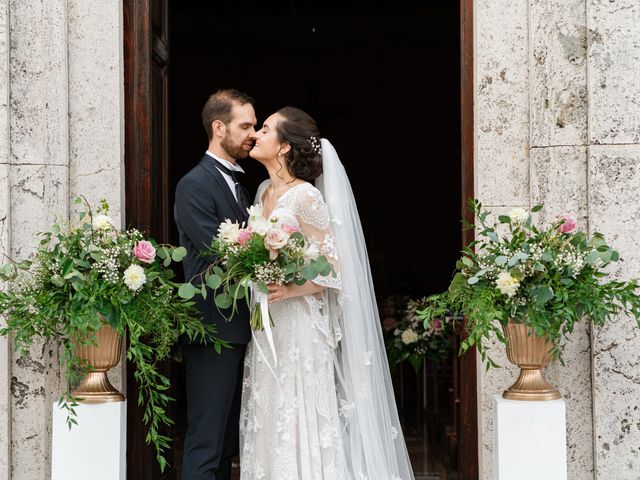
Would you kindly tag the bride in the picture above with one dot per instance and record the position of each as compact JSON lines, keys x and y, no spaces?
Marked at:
{"x":320,"y":404}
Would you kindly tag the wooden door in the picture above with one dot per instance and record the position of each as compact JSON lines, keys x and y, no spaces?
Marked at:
{"x":146,"y":53}
{"x":466,"y":396}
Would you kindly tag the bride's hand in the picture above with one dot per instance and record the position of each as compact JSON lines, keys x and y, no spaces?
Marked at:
{"x":278,"y":293}
{"x":282,"y":292}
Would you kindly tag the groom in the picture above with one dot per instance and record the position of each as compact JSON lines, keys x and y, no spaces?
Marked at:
{"x":205,"y":197}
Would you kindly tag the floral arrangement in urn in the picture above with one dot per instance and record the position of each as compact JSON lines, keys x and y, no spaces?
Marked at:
{"x":93,"y":282}
{"x":415,"y":341}
{"x":523,"y":283}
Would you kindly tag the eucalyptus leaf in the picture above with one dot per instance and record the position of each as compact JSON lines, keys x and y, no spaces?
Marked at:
{"x":214,"y":281}
{"x":309,"y":272}
{"x":223,"y":300}
{"x":178,"y":254}
{"x":187,"y":291}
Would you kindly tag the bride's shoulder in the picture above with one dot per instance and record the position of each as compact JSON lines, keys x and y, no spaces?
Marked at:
{"x":307,"y":192}
{"x":261,"y":189}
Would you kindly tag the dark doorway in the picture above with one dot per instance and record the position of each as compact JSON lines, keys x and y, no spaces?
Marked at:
{"x":383,"y":81}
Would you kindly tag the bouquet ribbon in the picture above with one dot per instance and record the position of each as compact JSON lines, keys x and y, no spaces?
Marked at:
{"x":263,"y":300}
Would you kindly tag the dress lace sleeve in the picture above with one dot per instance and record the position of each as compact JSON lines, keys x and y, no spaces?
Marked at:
{"x":313,"y":216}
{"x":261,"y":189}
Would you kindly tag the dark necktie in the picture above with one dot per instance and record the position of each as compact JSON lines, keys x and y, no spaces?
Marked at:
{"x":241,"y":193}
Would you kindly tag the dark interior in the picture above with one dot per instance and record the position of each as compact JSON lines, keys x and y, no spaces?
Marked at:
{"x":382,"y":79}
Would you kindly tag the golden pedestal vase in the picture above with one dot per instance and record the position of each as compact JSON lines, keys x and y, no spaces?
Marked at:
{"x":531,"y":353}
{"x":95,"y":387}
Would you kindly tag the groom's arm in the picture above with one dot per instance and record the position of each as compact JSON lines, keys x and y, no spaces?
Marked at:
{"x":195,"y":212}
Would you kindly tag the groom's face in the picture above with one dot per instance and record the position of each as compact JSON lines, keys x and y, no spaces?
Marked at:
{"x":240,"y":132}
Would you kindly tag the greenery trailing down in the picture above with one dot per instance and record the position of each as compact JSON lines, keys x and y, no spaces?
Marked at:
{"x":547,"y":278}
{"x":86,"y":274}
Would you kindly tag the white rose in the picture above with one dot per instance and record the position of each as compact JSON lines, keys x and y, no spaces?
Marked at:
{"x":518,"y":215}
{"x":260,"y":225}
{"x":409,"y":336}
{"x":507,"y":284}
{"x":134,"y":277}
{"x":311,"y":251}
{"x":101,"y":222}
{"x":228,"y":231}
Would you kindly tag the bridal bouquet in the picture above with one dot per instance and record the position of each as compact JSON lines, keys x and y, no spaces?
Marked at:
{"x":415,"y":342}
{"x":264,"y":252}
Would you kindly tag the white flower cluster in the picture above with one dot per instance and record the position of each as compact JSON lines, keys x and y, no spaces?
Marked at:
{"x":269,"y":273}
{"x":109,"y":266}
{"x":572,"y":258}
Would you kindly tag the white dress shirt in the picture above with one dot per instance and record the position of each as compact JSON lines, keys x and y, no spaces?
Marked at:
{"x":230,"y":166}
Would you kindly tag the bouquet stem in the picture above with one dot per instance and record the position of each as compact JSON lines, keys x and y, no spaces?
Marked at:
{"x":256,"y":318}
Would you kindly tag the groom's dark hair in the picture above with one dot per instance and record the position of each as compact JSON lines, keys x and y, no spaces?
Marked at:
{"x":219,"y":105}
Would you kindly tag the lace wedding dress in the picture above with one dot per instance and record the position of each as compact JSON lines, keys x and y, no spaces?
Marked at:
{"x":290,"y":425}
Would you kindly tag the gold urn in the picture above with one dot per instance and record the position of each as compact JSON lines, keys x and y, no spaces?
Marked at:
{"x":531,"y":353}
{"x":95,"y":387}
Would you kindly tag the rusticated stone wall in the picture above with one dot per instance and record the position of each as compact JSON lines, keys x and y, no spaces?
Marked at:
{"x":61,"y":134}
{"x":558,"y":123}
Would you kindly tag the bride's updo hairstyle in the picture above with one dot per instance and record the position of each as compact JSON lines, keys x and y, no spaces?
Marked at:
{"x":298,"y":129}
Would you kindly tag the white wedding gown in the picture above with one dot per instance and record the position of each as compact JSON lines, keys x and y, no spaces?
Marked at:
{"x":290,"y":427}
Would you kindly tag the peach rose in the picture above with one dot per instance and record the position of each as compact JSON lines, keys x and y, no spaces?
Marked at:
{"x":274,"y":240}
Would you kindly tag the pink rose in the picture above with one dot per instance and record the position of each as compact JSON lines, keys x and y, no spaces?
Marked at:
{"x":437,"y":324}
{"x":568,"y":224}
{"x":274,"y":240}
{"x":289,"y":229}
{"x":144,"y":251}
{"x":244,"y":236}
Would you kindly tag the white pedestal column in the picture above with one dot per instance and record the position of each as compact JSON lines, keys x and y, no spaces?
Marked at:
{"x":529,"y":440}
{"x":95,"y":448}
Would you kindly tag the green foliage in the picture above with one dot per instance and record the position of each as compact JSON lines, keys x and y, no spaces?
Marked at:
{"x":548,"y":279}
{"x":78,"y":281}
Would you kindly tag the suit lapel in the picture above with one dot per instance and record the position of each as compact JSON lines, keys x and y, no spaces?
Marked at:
{"x":223,"y":186}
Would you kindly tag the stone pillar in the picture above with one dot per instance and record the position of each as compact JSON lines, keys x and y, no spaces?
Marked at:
{"x":5,"y":200}
{"x":61,"y":134}
{"x":531,"y":128}
{"x":614,"y":209}
{"x":501,"y":169}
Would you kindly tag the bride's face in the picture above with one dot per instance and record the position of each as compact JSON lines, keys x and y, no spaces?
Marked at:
{"x":268,"y":146}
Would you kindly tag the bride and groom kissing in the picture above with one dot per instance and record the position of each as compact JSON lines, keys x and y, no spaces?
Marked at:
{"x":320,"y":406}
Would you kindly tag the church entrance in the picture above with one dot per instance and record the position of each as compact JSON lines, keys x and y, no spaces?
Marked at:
{"x":383,"y":80}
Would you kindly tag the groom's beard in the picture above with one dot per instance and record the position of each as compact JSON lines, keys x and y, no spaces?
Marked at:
{"x":235,"y":151}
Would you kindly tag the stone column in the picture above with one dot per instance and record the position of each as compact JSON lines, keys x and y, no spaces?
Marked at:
{"x":5,"y":199}
{"x":39,"y":190}
{"x":531,"y":127}
{"x":61,"y":118}
{"x":501,"y":167}
{"x":614,"y":209}
{"x":558,"y":123}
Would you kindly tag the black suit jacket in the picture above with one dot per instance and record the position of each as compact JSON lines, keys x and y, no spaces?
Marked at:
{"x":203,"y":201}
